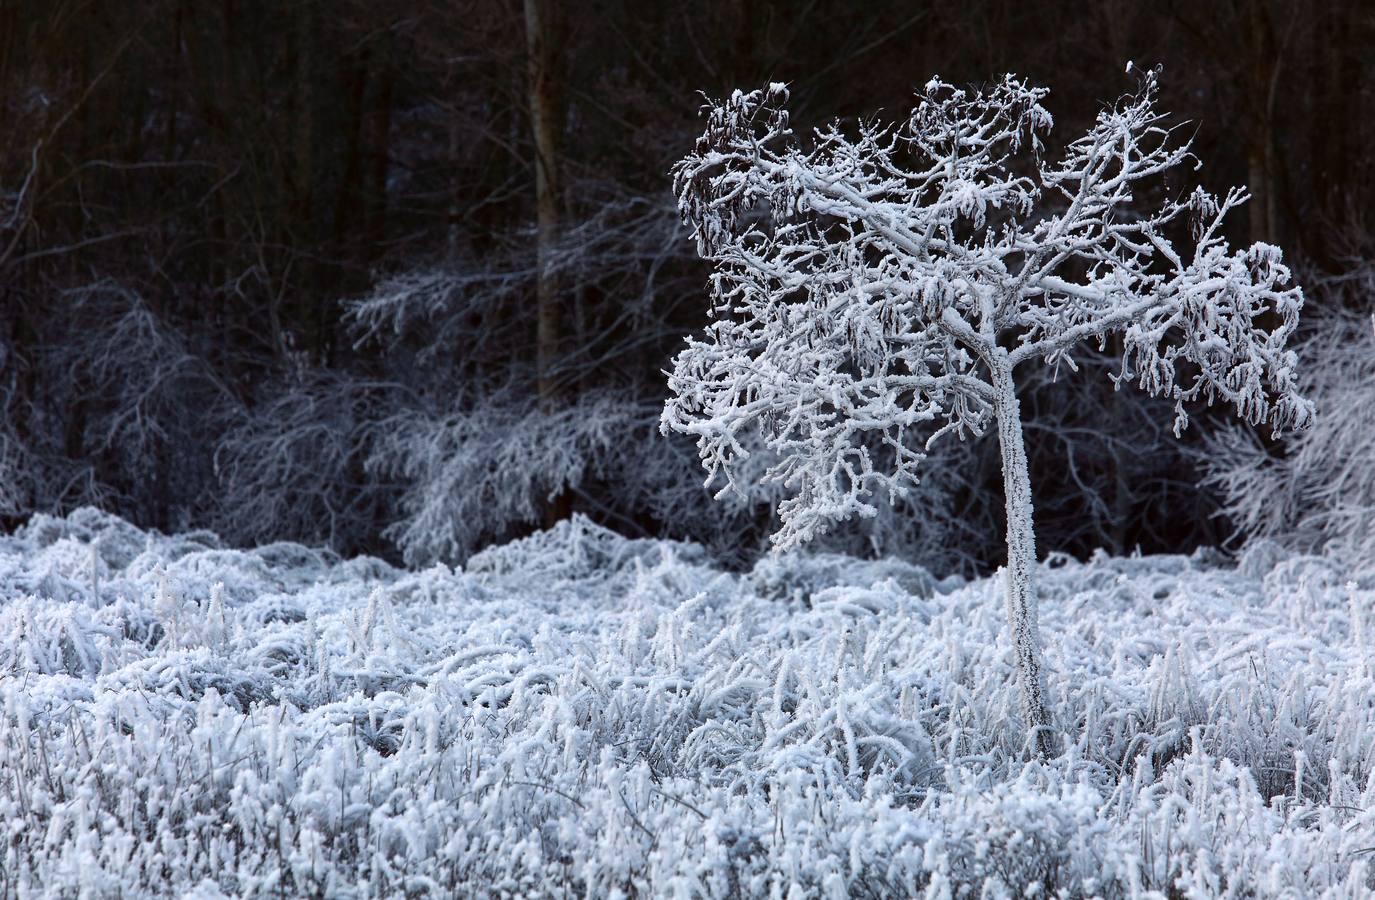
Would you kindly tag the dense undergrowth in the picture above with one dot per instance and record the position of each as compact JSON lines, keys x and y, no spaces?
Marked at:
{"x":578,"y":714}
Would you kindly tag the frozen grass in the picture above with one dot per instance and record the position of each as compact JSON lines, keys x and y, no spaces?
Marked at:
{"x":580,"y":714}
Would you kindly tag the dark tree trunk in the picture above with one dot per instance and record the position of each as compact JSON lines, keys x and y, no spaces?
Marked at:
{"x":548,"y":100}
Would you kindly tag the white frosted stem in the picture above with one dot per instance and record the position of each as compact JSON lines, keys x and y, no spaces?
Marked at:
{"x":1363,"y":661}
{"x":1021,"y":556}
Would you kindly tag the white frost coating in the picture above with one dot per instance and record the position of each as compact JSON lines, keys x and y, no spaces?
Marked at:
{"x":1021,"y":557}
{"x":582,"y":715}
{"x":880,"y":289}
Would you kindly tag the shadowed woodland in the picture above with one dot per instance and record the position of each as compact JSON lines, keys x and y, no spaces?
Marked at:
{"x":403,"y":278}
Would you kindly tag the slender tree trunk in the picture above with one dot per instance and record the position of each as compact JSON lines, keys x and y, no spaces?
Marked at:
{"x":543,"y":36}
{"x":546,"y":120}
{"x":379,"y":147}
{"x":1258,"y":183}
{"x":1021,"y":557}
{"x":455,"y":189}
{"x":1260,"y":155}
{"x":301,"y":181}
{"x":1334,"y":54}
{"x":353,"y":75}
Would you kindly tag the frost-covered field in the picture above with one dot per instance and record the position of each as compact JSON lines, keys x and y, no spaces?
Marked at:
{"x":580,"y":714}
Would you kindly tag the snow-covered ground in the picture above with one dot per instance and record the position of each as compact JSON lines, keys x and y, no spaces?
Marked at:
{"x":585,"y":715}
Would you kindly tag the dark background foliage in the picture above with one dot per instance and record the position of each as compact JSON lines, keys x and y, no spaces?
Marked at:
{"x":402,"y":276}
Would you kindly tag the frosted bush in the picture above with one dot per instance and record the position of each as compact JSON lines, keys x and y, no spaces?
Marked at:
{"x":476,"y":473}
{"x":1317,"y":493}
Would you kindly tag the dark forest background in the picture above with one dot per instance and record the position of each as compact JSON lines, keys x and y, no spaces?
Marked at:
{"x":402,"y":277}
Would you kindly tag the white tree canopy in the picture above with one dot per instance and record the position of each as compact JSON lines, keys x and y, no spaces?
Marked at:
{"x":888,"y":280}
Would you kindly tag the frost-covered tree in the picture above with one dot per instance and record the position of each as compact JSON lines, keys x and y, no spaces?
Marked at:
{"x":886,"y":283}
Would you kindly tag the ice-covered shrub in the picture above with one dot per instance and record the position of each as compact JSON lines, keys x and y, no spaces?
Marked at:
{"x":294,"y":464}
{"x":17,"y":469}
{"x":474,"y":474}
{"x":1316,"y":491}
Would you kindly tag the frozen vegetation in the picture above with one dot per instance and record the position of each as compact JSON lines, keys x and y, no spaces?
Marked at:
{"x":579,"y":714}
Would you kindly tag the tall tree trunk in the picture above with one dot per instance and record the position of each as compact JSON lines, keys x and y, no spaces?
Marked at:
{"x":1262,"y":85}
{"x":354,"y":77}
{"x":301,"y":178}
{"x":544,"y":44}
{"x":1021,"y":557}
{"x":455,"y":189}
{"x":1334,"y":58}
{"x":546,"y":119}
{"x":379,"y":148}
{"x":1258,"y":182}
